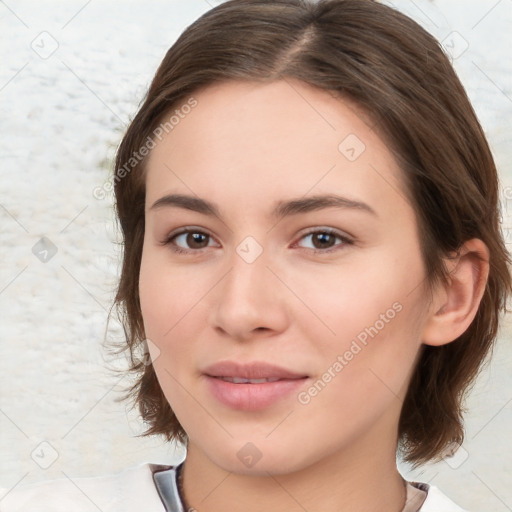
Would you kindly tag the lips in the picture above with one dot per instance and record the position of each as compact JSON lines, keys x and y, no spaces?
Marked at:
{"x":253,"y":386}
{"x":251,"y":371}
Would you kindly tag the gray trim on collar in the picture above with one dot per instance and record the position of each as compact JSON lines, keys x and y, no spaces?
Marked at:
{"x":166,"y":482}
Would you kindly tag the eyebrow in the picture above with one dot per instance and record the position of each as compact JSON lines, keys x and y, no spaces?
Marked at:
{"x":282,"y":208}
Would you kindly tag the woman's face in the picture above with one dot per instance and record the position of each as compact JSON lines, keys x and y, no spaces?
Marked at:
{"x":290,"y":244}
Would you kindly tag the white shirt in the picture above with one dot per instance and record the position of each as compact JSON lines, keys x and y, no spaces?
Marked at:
{"x":134,"y":490}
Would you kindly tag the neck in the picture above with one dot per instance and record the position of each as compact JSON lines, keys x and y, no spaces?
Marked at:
{"x":352,"y":480}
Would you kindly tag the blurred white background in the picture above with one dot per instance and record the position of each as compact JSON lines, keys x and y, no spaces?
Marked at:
{"x":72,"y":76}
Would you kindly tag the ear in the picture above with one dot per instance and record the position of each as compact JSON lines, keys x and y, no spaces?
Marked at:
{"x":455,"y":304}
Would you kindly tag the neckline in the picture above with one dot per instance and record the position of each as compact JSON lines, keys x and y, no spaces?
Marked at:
{"x":173,"y":500}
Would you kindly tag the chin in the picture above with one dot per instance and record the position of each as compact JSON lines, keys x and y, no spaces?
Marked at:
{"x":259,"y":458}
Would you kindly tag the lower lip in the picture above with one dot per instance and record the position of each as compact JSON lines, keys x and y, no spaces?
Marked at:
{"x":252,"y":397}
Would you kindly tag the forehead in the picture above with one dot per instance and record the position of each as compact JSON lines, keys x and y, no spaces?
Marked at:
{"x":251,"y":143}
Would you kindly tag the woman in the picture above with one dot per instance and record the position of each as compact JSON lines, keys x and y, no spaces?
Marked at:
{"x":313,"y":264}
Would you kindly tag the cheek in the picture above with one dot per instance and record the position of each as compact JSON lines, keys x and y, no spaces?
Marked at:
{"x":362,"y":377}
{"x":173,"y":305}
{"x":373,"y":316}
{"x":165,"y":301}
{"x":167,"y":295}
{"x":376,"y":363}
{"x":345,"y":302}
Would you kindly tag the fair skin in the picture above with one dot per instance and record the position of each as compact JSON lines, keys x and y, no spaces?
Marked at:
{"x":245,"y":147}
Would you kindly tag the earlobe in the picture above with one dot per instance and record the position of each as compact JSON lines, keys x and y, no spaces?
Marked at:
{"x":456,"y":303}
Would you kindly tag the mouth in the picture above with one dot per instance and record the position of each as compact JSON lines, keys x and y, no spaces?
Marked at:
{"x":254,"y":372}
{"x":241,"y":380}
{"x":253,"y":386}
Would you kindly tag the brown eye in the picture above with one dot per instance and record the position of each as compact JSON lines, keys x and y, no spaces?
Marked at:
{"x":188,"y":241}
{"x":324,"y":240}
{"x":196,"y":240}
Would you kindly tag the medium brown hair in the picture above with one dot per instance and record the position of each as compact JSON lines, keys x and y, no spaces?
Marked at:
{"x":397,"y":72}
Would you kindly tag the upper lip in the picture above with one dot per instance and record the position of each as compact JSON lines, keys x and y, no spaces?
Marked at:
{"x":253,"y":370}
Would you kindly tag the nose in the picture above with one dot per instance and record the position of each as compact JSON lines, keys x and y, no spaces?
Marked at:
{"x":250,"y":301}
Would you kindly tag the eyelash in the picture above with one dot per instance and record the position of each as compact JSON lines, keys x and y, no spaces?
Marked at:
{"x":175,"y":248}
